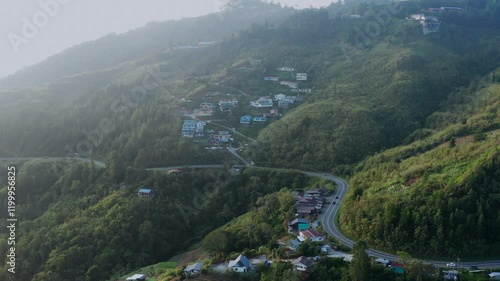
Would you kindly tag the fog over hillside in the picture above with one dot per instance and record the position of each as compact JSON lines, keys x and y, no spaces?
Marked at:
{"x":33,"y":30}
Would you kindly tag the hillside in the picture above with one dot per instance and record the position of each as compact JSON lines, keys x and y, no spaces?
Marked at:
{"x":81,"y":226}
{"x":411,"y":119}
{"x":376,"y":96}
{"x":365,"y":99}
{"x":115,"y":49}
{"x":425,"y":197}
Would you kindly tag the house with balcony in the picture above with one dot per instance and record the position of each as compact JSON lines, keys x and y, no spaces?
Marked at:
{"x":262,"y":102}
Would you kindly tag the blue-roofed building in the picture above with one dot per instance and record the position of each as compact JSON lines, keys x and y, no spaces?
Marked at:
{"x":298,"y":224}
{"x":193,"y":269}
{"x":145,"y":192}
{"x":247,"y":119}
{"x":240,"y":264}
{"x":189,"y":125}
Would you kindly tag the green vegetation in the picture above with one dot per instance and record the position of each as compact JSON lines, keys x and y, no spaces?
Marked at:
{"x":413,"y":119}
{"x":80,"y":225}
{"x":424,"y":198}
{"x":261,"y":227}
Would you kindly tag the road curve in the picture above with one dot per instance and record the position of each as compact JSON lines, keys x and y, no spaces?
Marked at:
{"x":327,"y":220}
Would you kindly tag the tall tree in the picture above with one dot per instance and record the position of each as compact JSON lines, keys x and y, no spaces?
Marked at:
{"x":360,"y":268}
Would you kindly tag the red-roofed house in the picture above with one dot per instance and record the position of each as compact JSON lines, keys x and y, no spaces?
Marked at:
{"x":311,"y":234}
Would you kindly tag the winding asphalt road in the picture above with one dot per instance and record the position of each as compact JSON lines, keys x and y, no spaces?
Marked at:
{"x":328,"y":222}
{"x":327,"y":219}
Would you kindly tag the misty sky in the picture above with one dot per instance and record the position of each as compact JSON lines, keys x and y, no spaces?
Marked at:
{"x":74,"y":21}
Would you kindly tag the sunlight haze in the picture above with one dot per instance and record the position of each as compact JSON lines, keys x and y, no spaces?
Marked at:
{"x":72,"y":22}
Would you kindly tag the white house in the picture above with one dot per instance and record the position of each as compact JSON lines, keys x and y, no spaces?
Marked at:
{"x":302,"y":263}
{"x":193,"y":269}
{"x":301,"y":77}
{"x":137,"y":277}
{"x":311,"y":234}
{"x":240,"y":264}
{"x":290,"y":84}
{"x":494,"y":275}
{"x":279,"y":97}
{"x":262,"y":102}
{"x":223,"y":136}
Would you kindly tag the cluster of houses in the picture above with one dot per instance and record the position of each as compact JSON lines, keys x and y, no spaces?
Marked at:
{"x":195,"y":129}
{"x":429,"y":23}
{"x":281,"y":100}
{"x":291,"y":84}
{"x":309,"y":203}
{"x":244,"y":264}
{"x":207,"y":109}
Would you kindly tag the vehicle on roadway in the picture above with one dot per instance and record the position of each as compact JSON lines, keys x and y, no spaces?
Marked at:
{"x":450,"y":264}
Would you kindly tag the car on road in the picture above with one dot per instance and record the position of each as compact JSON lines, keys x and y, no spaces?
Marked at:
{"x":336,"y":197}
{"x":451,"y":264}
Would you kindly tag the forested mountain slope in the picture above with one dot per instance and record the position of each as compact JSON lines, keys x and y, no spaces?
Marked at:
{"x":373,"y":97}
{"x":384,"y":107}
{"x":366,"y":98}
{"x":78,"y":225}
{"x":440,"y":194}
{"x":115,"y":49}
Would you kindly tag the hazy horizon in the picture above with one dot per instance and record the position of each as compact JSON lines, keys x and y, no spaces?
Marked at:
{"x":33,"y":31}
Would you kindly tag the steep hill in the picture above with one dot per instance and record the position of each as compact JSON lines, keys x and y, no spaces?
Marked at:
{"x":366,"y":97}
{"x":115,"y":49}
{"x":438,"y":195}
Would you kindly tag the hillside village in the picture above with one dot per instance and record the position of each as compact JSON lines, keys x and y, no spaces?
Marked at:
{"x":254,"y":113}
{"x":337,"y":143}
